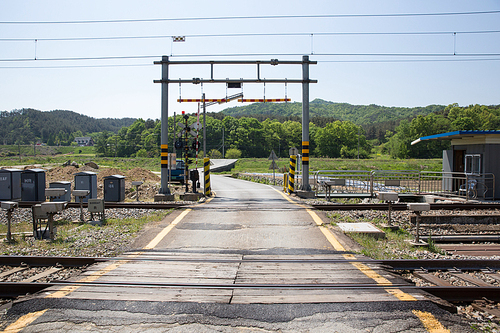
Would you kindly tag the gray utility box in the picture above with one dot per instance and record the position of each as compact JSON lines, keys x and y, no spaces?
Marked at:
{"x":10,"y":184}
{"x":87,"y":180}
{"x":65,"y":185}
{"x":33,"y":185}
{"x":114,"y":188}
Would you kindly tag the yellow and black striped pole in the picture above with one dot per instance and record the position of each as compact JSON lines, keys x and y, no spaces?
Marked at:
{"x":291,"y":174}
{"x":206,"y":172}
{"x":164,"y":156}
{"x":305,"y":152}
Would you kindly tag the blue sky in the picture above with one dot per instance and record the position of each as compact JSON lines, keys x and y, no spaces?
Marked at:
{"x":384,"y":60}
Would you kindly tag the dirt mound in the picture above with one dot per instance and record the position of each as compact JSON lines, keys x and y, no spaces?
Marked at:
{"x":87,"y":168}
{"x":58,"y":174}
{"x":104,"y":172}
{"x":140,"y":174}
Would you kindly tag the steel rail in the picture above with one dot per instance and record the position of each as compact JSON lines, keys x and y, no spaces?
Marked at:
{"x":395,"y":264}
{"x":107,"y":205}
{"x":451,"y":294}
{"x":39,"y":261}
{"x":399,"y":206}
{"x":15,"y":289}
{"x":237,"y":285}
{"x":328,"y":207}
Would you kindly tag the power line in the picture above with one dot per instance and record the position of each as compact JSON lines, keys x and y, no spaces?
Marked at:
{"x":79,"y":58}
{"x":320,"y":61}
{"x":416,"y":55}
{"x":254,"y":35}
{"x":259,"y":54}
{"x":75,"y":66}
{"x":405,"y":60}
{"x":219,"y":18}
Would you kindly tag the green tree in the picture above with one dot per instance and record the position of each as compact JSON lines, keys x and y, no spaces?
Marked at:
{"x":233,"y":153}
{"x":400,"y":143}
{"x":340,"y":139}
{"x":214,"y":153}
{"x":101,"y":144}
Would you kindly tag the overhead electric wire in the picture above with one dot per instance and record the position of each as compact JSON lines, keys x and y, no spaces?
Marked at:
{"x":255,"y":35}
{"x":76,"y":66}
{"x":219,"y":18}
{"x":80,"y":58}
{"x":453,"y":57}
{"x":405,"y":60}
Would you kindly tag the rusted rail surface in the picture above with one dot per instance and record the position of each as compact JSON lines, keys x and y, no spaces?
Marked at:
{"x":399,"y":206}
{"x":107,"y":205}
{"x":396,"y":264}
{"x":361,"y":206}
{"x":449,"y":293}
{"x":39,"y":261}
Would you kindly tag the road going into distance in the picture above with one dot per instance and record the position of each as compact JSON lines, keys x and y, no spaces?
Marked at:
{"x":247,"y":260}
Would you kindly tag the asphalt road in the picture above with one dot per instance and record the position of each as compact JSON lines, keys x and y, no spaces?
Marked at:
{"x":245,"y":221}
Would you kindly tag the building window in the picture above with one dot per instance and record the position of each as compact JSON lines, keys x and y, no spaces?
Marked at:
{"x":473,"y":163}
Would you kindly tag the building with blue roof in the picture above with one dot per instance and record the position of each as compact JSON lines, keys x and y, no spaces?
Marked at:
{"x":474,"y":156}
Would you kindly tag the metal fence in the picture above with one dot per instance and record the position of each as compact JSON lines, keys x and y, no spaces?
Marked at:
{"x":343,"y":181}
{"x":468,"y":186}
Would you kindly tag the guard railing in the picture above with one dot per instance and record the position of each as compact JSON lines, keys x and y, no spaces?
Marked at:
{"x":468,"y":186}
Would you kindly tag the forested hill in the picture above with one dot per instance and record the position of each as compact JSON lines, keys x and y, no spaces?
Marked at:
{"x":358,"y":114}
{"x":26,"y":125}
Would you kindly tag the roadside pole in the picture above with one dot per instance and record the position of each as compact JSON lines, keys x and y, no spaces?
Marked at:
{"x":164,"y":126}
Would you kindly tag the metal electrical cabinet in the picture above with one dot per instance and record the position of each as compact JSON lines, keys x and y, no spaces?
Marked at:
{"x":86,"y":180}
{"x":10,"y":184}
{"x":65,"y":185}
{"x":33,"y":185}
{"x":114,"y":188}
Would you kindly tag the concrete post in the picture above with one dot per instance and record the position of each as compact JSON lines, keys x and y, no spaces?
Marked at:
{"x":164,"y":126}
{"x":305,"y":124}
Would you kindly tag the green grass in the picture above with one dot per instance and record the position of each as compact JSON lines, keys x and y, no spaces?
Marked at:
{"x":394,"y":246}
{"x":70,"y":235}
{"x":58,"y":155}
{"x":261,"y":165}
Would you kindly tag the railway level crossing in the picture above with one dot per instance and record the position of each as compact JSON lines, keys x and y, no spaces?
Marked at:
{"x":165,"y":81}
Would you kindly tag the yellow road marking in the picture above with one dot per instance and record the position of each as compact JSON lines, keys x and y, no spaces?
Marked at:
{"x":430,"y":323}
{"x":402,"y":296}
{"x":24,"y":321}
{"x":166,"y":230}
{"x":69,"y":289}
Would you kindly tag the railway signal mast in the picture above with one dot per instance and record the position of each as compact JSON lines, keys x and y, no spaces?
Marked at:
{"x":165,"y":81}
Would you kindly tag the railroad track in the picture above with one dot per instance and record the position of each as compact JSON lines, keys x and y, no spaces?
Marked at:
{"x":472,"y":289}
{"x":400,"y":206}
{"x":327,"y":207}
{"x":107,"y":205}
{"x":28,"y":271}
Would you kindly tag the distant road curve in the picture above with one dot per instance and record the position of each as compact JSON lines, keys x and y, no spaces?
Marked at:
{"x":219,"y":165}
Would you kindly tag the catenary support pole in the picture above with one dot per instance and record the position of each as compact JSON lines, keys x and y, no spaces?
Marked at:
{"x":305,"y":124}
{"x":164,"y":126}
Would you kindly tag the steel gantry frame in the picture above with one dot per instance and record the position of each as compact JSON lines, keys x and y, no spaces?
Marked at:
{"x":165,"y":81}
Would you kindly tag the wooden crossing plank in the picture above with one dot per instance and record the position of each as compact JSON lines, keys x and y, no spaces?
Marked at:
{"x":43,"y":274}
{"x":469,"y":278}
{"x":12,"y":271}
{"x":155,"y":296}
{"x":239,"y":272}
{"x":135,"y":279}
{"x":431,"y":278}
{"x":269,"y":296}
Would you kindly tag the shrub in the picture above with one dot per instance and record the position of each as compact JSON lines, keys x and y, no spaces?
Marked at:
{"x":214,"y":153}
{"x":233,"y":153}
